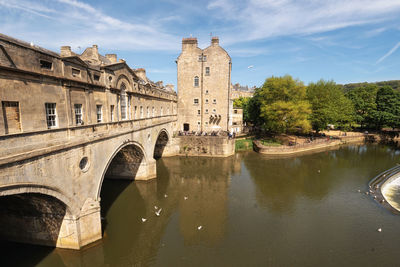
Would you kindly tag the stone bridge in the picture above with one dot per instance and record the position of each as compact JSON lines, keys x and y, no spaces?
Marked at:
{"x":50,"y":181}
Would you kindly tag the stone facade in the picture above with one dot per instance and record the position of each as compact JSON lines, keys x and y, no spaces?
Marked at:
{"x":237,"y":120}
{"x":204,"y":78}
{"x":67,"y":122}
{"x":238,"y":91}
{"x":42,"y":90}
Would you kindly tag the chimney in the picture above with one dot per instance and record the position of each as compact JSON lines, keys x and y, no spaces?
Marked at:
{"x":214,"y":41}
{"x":95,"y":49}
{"x":66,"y":51}
{"x":112,"y":57}
{"x":121,"y":60}
{"x":189,"y":43}
{"x":160,"y":84}
{"x":141,"y":73}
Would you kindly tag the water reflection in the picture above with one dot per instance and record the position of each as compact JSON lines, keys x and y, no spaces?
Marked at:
{"x":254,"y":210}
{"x":280,"y":182}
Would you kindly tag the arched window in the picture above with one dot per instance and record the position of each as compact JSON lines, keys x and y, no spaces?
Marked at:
{"x":196,"y":81}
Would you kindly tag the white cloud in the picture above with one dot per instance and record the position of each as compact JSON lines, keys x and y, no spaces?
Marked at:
{"x":80,"y":24}
{"x":391,"y":51}
{"x":260,"y":19}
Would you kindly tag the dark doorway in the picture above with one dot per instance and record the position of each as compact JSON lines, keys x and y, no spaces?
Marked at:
{"x":186,"y":127}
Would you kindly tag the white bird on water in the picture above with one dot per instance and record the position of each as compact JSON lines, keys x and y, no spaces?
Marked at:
{"x":250,"y":67}
{"x":155,"y":207}
{"x":379,"y":229}
{"x":165,"y":195}
{"x":143,"y":219}
{"x":199,"y":227}
{"x":185,"y":198}
{"x":319,"y":171}
{"x":158,"y":212}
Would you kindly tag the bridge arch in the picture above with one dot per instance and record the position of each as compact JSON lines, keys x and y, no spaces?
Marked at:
{"x":162,"y":140}
{"x":31,"y":213}
{"x":31,"y":188}
{"x":128,"y":161}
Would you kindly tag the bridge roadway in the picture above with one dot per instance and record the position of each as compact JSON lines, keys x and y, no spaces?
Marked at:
{"x":52,"y":179}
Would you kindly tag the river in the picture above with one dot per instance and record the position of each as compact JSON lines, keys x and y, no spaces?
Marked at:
{"x":246,"y":210}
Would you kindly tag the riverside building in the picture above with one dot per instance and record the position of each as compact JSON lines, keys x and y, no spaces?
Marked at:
{"x":204,"y":79}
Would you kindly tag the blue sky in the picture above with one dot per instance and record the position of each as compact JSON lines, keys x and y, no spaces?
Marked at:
{"x":343,"y":40}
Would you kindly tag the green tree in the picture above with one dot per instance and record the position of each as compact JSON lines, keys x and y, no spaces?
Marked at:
{"x":388,"y":107}
{"x":283,"y":106}
{"x":329,"y":105}
{"x":364,"y":101}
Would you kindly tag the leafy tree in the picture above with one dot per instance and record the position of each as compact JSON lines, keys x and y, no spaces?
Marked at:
{"x":364,"y":101}
{"x":388,"y":107}
{"x":283,"y":106}
{"x":329,"y":105}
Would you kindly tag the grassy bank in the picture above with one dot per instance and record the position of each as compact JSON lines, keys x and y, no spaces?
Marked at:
{"x":243,"y":144}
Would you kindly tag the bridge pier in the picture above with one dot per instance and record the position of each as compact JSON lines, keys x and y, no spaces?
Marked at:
{"x":79,"y":231}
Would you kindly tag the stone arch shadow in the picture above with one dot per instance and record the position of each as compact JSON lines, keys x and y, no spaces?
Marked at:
{"x":128,"y":161}
{"x":163,"y":138}
{"x":33,"y":214}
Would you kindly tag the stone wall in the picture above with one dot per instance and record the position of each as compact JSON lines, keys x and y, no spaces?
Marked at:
{"x":209,"y":146}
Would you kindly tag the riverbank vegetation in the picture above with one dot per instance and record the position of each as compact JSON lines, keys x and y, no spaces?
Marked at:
{"x":286,"y":105}
{"x":244,"y":144}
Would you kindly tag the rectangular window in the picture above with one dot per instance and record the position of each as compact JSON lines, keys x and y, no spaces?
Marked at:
{"x":168,"y":111}
{"x":112,"y":112}
{"x":99,"y":113}
{"x":51,"y":116}
{"x":148,"y":112}
{"x":152,"y":112}
{"x":46,"y":65}
{"x":141,"y":112}
{"x":134,"y":114}
{"x":207,"y":70}
{"x":204,"y":58}
{"x":235,"y":111}
{"x":12,"y":121}
{"x":78,"y":114}
{"x":123,"y":107}
{"x":196,"y":101}
{"x":76,"y":72}
{"x":129,"y":106}
{"x":96,"y":77}
{"x":161,"y":111}
{"x":200,"y":57}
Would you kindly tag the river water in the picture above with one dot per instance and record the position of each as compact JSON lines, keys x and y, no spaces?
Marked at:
{"x":246,"y":210}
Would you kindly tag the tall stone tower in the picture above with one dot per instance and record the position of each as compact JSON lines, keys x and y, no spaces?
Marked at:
{"x":204,"y":78}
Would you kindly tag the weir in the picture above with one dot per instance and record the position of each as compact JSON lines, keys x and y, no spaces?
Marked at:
{"x":385,"y":189}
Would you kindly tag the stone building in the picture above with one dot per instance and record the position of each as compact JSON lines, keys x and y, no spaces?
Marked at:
{"x":237,"y":120}
{"x":238,"y":91}
{"x":204,"y":78}
{"x":43,"y":90}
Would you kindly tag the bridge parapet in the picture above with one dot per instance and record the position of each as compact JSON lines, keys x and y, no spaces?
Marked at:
{"x":21,"y":146}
